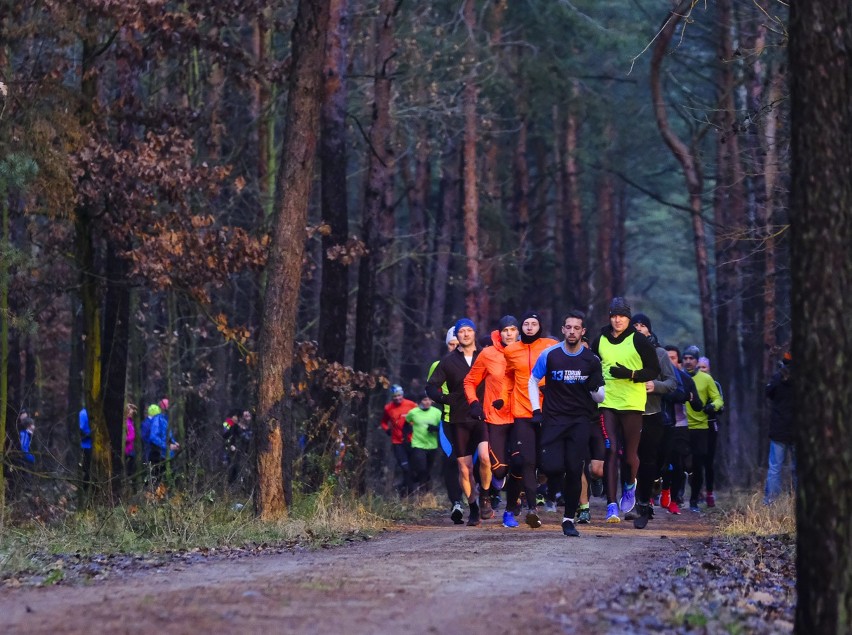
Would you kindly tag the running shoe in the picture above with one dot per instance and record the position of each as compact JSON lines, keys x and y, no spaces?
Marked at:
{"x":550,"y":506}
{"x":693,"y":506}
{"x":568,"y":528}
{"x":597,"y":487}
{"x":539,"y":500}
{"x":646,"y":513}
{"x":665,"y":498}
{"x":711,"y":500}
{"x":496,"y":501}
{"x":628,"y":497}
{"x":584,"y":516}
{"x":509,"y":520}
{"x":473,"y":517}
{"x":532,"y":519}
{"x":457,"y":514}
{"x":485,"y":511}
{"x":612,"y":513}
{"x":674,"y":508}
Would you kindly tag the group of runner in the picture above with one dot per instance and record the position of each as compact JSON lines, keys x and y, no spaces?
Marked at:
{"x":587,"y":414}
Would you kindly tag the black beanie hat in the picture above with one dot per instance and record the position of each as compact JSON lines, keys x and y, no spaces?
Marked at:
{"x":507,"y":321}
{"x":619,"y":306}
{"x":641,"y":318}
{"x":529,"y":339}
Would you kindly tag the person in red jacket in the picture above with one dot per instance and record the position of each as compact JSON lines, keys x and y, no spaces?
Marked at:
{"x":489,"y":367}
{"x":523,"y":443}
{"x":393,"y":422}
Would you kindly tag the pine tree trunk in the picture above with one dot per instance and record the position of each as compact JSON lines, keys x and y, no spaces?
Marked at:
{"x":687,"y":157}
{"x":335,"y":272}
{"x":284,"y":269}
{"x":473,"y":281}
{"x":445,"y":229}
{"x":578,"y":259}
{"x":820,"y":57}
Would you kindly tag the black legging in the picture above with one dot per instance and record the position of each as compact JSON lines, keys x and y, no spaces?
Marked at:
{"x":650,"y":446}
{"x":523,"y":443}
{"x":564,"y":448}
{"x":450,"y":467}
{"x":421,"y":467}
{"x":623,"y":428}
{"x":498,"y":441}
{"x":698,"y":445}
{"x":709,"y":469}
{"x":400,"y":453}
{"x":676,"y":461}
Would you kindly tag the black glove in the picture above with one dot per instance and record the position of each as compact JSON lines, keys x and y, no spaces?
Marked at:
{"x":476,"y":411}
{"x":536,"y":416}
{"x":620,"y":372}
{"x":498,"y":404}
{"x":709,"y":408}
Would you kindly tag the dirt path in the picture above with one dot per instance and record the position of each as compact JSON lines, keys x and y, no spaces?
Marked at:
{"x":434,"y":578}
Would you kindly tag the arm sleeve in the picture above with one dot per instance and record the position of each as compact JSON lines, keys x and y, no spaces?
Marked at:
{"x":650,"y":364}
{"x":433,"y":386}
{"x":473,"y":378}
{"x":595,"y":382}
{"x":694,"y":399}
{"x":679,"y":394}
{"x":535,"y":397}
{"x":508,"y":383}
{"x":715,"y":396}
{"x":384,"y":424}
{"x":666,"y":381}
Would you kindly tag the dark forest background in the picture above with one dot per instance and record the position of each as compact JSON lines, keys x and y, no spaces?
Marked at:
{"x":475,"y":158}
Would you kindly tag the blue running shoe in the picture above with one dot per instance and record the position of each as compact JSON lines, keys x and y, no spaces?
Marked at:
{"x":628,"y":497}
{"x":612,"y":513}
{"x":509,"y":520}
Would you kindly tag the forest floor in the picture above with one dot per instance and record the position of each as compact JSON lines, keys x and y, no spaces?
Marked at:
{"x":431,"y":576}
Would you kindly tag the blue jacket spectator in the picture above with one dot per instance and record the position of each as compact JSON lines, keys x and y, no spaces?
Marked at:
{"x":160,"y":435}
{"x":85,"y":431}
{"x":145,"y":431}
{"x":26,"y":440}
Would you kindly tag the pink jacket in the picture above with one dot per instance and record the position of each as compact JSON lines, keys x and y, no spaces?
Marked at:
{"x":130,"y":438}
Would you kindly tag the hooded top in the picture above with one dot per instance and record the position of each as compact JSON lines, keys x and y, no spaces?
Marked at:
{"x":520,"y":359}
{"x":490,"y":366}
{"x":632,"y":350}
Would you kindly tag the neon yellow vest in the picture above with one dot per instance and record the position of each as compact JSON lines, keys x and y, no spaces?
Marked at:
{"x":621,"y":394}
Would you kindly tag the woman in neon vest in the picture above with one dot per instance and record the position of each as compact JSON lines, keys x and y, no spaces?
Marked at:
{"x":628,"y":361}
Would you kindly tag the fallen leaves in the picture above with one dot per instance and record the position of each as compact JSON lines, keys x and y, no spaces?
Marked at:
{"x":742,"y":585}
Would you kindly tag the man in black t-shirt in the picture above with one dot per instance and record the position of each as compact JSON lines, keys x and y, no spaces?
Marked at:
{"x":574,"y":383}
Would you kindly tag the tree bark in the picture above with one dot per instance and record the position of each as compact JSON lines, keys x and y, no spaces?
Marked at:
{"x":820,"y":56}
{"x":335,"y":271}
{"x":284,"y":269}
{"x":578,"y":259}
{"x":686,"y":156}
{"x":473,"y":282}
{"x":445,"y":227}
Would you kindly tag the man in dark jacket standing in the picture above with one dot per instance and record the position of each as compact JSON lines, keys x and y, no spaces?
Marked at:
{"x":779,"y":391}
